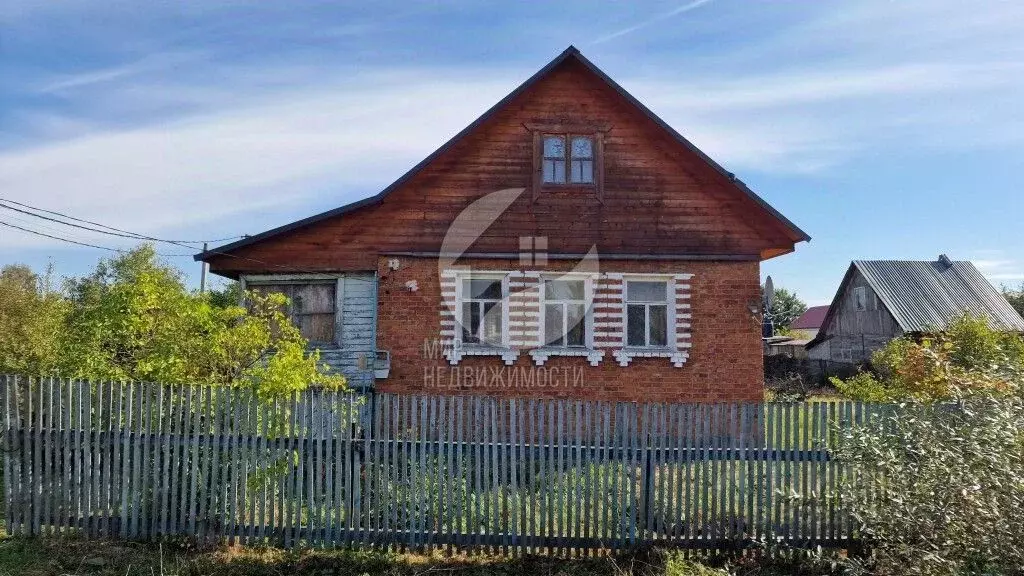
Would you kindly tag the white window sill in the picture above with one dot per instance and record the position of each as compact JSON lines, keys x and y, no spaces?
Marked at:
{"x":541,"y":355}
{"x":457,"y":352}
{"x":626,"y":355}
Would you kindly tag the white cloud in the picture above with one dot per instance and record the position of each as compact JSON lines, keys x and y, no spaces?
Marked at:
{"x":651,"y":21}
{"x":997,"y":267}
{"x":178,"y":137}
{"x":272,"y":151}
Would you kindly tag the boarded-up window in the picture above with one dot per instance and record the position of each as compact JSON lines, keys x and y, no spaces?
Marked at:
{"x":312,"y":307}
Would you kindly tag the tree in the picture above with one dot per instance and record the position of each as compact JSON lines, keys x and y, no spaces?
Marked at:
{"x":134,"y":319}
{"x":31,"y":317}
{"x":1015,"y":297}
{"x":786,"y":307}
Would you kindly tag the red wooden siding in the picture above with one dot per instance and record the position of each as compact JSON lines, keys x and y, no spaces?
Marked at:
{"x":659,"y":198}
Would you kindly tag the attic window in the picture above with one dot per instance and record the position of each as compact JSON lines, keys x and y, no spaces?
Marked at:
{"x":568,"y":164}
{"x":863,"y":300}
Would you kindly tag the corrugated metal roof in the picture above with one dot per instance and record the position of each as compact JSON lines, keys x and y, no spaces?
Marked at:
{"x":924,"y":295}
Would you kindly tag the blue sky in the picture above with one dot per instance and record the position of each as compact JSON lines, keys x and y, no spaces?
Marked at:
{"x":884,"y":129}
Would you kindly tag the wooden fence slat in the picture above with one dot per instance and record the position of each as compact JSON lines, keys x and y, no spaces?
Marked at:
{"x":515,"y":476}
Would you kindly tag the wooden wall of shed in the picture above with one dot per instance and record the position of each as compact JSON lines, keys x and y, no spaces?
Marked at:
{"x":659,"y":198}
{"x":855,"y":334}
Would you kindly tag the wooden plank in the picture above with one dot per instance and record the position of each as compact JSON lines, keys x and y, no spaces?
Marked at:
{"x":10,"y":480}
{"x":136,"y":442}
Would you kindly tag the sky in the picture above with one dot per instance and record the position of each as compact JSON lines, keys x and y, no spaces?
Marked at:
{"x":885,"y":129}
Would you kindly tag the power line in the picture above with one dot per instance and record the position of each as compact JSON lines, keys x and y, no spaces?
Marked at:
{"x":37,"y":233}
{"x":133,"y":235}
{"x":116,"y":231}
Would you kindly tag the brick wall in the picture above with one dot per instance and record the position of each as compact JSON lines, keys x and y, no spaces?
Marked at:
{"x":725,"y":360}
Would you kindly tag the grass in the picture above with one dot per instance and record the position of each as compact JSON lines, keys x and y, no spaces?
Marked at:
{"x":71,"y":557}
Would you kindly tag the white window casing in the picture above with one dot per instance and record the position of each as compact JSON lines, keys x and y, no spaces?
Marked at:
{"x":524,"y":317}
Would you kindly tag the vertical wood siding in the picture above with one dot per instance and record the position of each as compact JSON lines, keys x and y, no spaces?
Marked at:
{"x":357,"y":330}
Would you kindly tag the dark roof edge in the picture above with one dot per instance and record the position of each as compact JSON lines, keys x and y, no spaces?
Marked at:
{"x":404,"y":177}
{"x":832,"y":307}
{"x":802,"y":236}
{"x":571,"y":51}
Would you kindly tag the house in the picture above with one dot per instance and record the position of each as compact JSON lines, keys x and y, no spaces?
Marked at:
{"x":810,"y":321}
{"x":568,"y":243}
{"x":879,"y":300}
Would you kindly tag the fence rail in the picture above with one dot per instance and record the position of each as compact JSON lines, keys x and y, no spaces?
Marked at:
{"x":322,"y":468}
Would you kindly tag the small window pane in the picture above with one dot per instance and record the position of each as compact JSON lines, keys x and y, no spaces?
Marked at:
{"x":554,"y":146}
{"x":553,"y":324}
{"x":646,"y":291}
{"x":563,"y":289}
{"x":659,"y":326}
{"x":582,"y":172}
{"x":576,"y":322}
{"x":554,"y":171}
{"x":482,"y":289}
{"x":492,"y":323}
{"x":635,"y":329}
{"x":582,"y":148}
{"x":470,"y":322}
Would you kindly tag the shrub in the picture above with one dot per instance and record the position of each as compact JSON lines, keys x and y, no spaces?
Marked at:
{"x":968,"y":356}
{"x":938,"y":488}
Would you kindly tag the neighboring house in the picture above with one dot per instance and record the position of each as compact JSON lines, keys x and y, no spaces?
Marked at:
{"x":809,"y":322}
{"x":879,"y":300}
{"x":567,"y":243}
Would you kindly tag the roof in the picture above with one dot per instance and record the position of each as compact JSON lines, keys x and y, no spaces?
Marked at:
{"x":812,"y":318}
{"x":570,"y":52}
{"x":927,"y":295}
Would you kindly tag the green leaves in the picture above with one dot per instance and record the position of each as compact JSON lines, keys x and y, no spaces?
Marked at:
{"x":939,"y":487}
{"x":134,"y":319}
{"x":967,"y":357}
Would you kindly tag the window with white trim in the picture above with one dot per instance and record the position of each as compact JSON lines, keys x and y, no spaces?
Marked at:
{"x":565,"y":313}
{"x":482,"y":311}
{"x":647,"y":313}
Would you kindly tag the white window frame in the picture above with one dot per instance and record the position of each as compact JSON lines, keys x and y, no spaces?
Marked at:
{"x":588,"y":310}
{"x":672,"y":350}
{"x":461,"y":299}
{"x":670,"y":313}
{"x":544,"y":351}
{"x":869,"y":299}
{"x":460,"y":348}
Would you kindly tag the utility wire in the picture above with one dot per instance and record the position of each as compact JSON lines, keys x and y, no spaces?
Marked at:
{"x":133,"y":235}
{"x":119,"y":232}
{"x":37,"y":233}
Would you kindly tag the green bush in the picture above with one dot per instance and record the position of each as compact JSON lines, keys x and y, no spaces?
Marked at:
{"x":938,"y":488}
{"x":968,"y":356}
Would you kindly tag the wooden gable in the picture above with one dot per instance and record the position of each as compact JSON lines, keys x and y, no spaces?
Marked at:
{"x":658,"y":195}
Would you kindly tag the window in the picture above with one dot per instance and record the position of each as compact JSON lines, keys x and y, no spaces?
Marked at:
{"x":572,"y":164}
{"x":862,"y":299}
{"x":311,"y":308}
{"x":482,"y":311}
{"x":565,"y":313}
{"x":647,"y":313}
